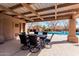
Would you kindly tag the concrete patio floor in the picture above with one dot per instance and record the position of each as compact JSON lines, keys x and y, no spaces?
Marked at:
{"x":59,"y":48}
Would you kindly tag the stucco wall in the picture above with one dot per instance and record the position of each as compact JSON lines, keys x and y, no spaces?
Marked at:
{"x":7,"y":27}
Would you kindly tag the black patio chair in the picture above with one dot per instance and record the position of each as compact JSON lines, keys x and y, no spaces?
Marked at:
{"x":48,"y":40}
{"x":23,"y":40}
{"x":42,"y":39}
{"x":29,"y":42}
{"x":44,"y":33}
{"x":36,"y":33}
{"x":34,"y":46}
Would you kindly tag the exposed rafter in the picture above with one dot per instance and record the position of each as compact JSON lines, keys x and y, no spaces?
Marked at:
{"x":64,"y":17}
{"x":27,"y":6}
{"x":36,"y":13}
{"x":55,"y":10}
{"x":49,"y":8}
{"x":9,"y":10}
{"x":16,"y":6}
{"x":61,"y":14}
{"x":48,"y":14}
{"x":63,"y":11}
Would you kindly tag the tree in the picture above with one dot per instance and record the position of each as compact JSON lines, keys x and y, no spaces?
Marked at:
{"x":44,"y":28}
{"x":65,"y":23}
{"x":52,"y":24}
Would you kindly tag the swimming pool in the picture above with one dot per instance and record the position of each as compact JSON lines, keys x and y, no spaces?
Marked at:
{"x":58,"y":32}
{"x":61,"y":32}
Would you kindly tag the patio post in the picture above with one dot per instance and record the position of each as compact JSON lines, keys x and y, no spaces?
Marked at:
{"x":72,"y":30}
{"x":23,"y":27}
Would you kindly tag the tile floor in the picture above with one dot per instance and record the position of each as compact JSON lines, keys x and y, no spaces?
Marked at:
{"x":59,"y":48}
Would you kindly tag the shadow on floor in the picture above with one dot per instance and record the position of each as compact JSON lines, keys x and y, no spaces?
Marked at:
{"x":25,"y":53}
{"x":58,"y":42}
{"x":76,"y":45}
{"x":35,"y":54}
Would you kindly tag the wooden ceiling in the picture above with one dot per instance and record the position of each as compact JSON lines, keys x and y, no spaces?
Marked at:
{"x":35,"y":12}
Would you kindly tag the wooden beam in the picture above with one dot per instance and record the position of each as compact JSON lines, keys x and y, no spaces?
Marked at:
{"x":1,"y":11}
{"x":63,"y":17}
{"x":62,"y":14}
{"x":58,"y":17}
{"x":56,"y":11}
{"x":66,"y":11}
{"x":76,"y":14}
{"x":53,"y":19}
{"x":27,"y":6}
{"x":16,"y":6}
{"x":9,"y":10}
{"x":52,"y":7}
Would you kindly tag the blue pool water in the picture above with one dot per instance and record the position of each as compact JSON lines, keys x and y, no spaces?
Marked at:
{"x":62,"y":33}
{"x":59,"y":32}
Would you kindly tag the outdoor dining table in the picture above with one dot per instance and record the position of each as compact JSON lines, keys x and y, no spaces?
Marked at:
{"x":42,"y":39}
{"x":40,"y":36}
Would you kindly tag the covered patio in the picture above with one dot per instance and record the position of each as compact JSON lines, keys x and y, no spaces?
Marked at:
{"x":60,"y":47}
{"x":15,"y":16}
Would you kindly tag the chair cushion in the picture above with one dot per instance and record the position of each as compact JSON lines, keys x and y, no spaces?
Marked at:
{"x":31,"y":32}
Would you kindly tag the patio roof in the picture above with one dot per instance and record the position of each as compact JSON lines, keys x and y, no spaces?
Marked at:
{"x":39,"y":11}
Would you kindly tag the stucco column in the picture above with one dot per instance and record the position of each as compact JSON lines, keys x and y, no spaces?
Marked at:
{"x":72,"y":30}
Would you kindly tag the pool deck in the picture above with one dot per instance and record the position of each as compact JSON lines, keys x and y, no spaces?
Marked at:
{"x":60,"y":47}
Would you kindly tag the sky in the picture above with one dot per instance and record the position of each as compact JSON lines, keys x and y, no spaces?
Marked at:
{"x":77,"y":23}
